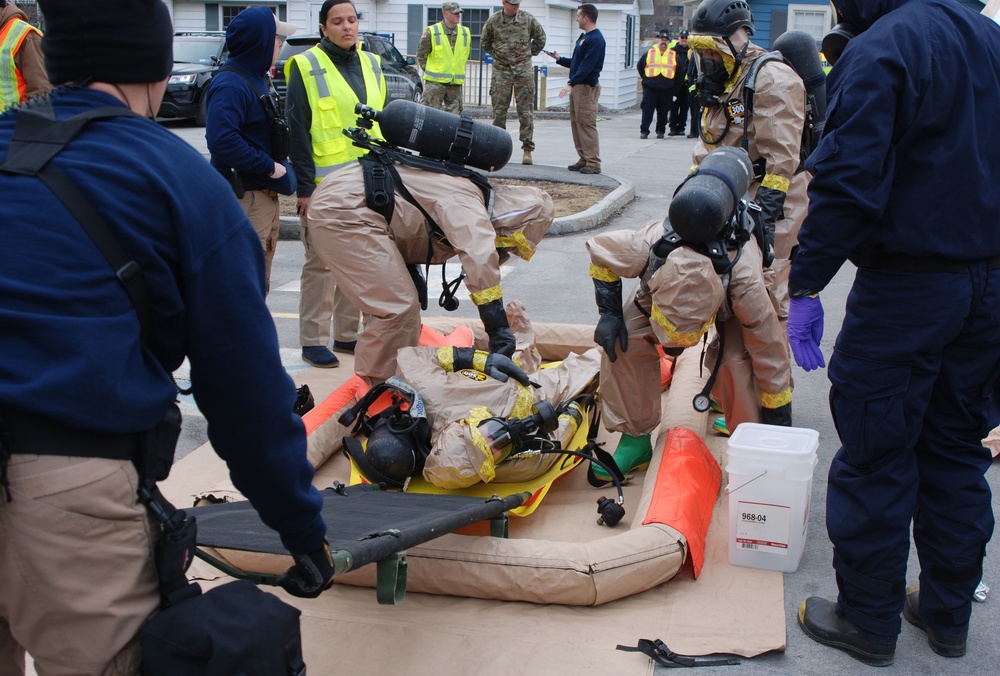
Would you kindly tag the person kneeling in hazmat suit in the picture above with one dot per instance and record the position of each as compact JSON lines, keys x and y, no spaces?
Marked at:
{"x":700,"y":267}
{"x":481,"y":422}
{"x":377,"y":221}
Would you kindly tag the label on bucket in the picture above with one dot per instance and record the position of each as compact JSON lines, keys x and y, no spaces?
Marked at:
{"x":762,"y":527}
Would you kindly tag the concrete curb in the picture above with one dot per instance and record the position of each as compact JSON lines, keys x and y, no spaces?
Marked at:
{"x":621,"y":195}
{"x":597,"y":215}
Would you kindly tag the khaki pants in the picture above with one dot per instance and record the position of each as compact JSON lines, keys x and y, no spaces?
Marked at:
{"x":583,"y":123}
{"x":76,"y":573}
{"x":321,"y":300}
{"x":261,"y":207}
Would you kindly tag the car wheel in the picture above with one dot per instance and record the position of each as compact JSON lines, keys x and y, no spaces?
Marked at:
{"x":418,"y":95}
{"x":202,"y":115}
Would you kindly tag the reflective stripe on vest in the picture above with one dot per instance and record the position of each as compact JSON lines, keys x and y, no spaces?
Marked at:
{"x":658,"y":63}
{"x":332,"y":102}
{"x":445,"y":64}
{"x":12,"y":86}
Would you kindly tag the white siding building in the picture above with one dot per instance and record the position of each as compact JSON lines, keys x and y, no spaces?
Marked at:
{"x":404,"y":21}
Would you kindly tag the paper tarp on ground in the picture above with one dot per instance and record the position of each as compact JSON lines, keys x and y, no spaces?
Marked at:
{"x":726,"y":609}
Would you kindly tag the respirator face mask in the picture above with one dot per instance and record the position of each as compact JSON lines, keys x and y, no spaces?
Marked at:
{"x":712,"y":78}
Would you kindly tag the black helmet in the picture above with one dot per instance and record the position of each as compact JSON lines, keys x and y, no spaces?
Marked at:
{"x":684,"y":33}
{"x":722,"y":18}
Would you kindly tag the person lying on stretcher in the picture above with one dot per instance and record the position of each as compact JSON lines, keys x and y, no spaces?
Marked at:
{"x":454,"y":429}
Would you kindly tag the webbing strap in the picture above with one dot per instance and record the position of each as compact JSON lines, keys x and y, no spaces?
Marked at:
{"x":38,"y":138}
{"x":658,"y":651}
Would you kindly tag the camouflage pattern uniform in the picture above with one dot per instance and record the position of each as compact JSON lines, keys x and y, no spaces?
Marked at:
{"x":447,"y":97}
{"x":512,"y":41}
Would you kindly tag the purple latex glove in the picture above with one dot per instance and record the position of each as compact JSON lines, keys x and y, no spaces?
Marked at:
{"x":805,"y":330}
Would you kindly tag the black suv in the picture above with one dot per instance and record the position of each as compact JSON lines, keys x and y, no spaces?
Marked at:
{"x":197,"y":57}
{"x":402,"y":80}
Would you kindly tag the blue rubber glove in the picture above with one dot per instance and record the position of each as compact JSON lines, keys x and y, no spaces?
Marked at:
{"x":805,"y":331}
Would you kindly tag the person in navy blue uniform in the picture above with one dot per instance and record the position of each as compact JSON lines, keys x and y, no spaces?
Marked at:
{"x":905,"y":187}
{"x":82,"y":377}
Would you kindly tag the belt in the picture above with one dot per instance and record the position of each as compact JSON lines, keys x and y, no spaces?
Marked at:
{"x":41,"y":435}
{"x":266,"y":191}
{"x":904,"y":263}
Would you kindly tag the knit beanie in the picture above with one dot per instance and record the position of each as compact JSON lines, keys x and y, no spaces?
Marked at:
{"x":115,"y":41}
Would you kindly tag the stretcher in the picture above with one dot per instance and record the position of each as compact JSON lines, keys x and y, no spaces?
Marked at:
{"x":364,"y":525}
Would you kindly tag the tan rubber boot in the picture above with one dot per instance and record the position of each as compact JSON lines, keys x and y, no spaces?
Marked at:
{"x":526,"y":159}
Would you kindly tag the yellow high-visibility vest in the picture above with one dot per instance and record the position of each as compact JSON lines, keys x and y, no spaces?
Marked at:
{"x":658,"y":63}
{"x":444,"y":64}
{"x":13,"y":88}
{"x":332,"y":103}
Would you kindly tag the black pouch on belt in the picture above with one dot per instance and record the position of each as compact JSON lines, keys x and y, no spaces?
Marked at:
{"x":236,"y":180}
{"x":231,"y":629}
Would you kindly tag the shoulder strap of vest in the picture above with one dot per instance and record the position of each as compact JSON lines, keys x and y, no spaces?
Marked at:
{"x":38,"y":138}
{"x":750,"y":86}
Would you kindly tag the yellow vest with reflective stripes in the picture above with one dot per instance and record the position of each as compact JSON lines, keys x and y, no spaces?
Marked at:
{"x":12,"y":85}
{"x":444,"y":64}
{"x":332,"y":102}
{"x":658,"y":63}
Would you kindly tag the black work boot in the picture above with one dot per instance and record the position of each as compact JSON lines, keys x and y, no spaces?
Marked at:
{"x":943,"y":644}
{"x":821,"y":622}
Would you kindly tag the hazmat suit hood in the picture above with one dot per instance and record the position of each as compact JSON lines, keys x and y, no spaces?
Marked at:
{"x":250,"y":38}
{"x":863,"y":13}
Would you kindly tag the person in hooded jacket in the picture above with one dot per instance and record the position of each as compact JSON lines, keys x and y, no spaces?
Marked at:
{"x":239,"y":124}
{"x":904,"y":187}
{"x":725,"y":57}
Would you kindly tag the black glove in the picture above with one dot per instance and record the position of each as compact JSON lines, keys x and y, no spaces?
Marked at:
{"x":772,"y":204}
{"x":311,"y":574}
{"x":777,"y":416}
{"x":497,"y":366}
{"x":494,"y":318}
{"x":611,"y":325}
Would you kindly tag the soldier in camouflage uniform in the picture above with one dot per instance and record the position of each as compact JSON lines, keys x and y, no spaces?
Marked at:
{"x":443,"y":80}
{"x":512,"y":37}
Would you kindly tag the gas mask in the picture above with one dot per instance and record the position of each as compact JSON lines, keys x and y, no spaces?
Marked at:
{"x":836,"y":40}
{"x":711,"y":82}
{"x":717,"y":69}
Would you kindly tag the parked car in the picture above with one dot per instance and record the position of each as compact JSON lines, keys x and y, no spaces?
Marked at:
{"x":197,"y":57}
{"x":402,"y":80}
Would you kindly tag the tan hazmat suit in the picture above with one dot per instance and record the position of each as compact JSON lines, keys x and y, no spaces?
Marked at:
{"x":368,"y":257}
{"x":774,"y":138}
{"x":675,"y":306}
{"x":457,"y":402}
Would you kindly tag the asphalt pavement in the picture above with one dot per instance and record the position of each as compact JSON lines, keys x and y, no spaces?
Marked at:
{"x":555,"y":286}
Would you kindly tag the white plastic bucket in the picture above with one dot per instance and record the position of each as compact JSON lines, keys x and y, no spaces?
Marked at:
{"x":770,"y":482}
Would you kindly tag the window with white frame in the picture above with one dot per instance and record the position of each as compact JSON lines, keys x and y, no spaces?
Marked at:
{"x":220,"y":15}
{"x":813,"y":19}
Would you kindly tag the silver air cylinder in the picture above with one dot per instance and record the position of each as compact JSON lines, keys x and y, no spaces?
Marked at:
{"x":706,"y":201}
{"x":445,"y":136}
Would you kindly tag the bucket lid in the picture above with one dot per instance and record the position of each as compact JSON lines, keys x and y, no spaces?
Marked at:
{"x":791,"y":443}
